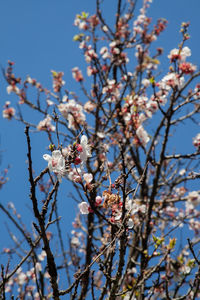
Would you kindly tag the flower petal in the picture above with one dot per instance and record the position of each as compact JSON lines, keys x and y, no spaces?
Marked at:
{"x":47,"y":157}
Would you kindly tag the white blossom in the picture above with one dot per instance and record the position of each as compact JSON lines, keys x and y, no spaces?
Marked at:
{"x":83,"y":207}
{"x":73,"y":112}
{"x":196,"y":140}
{"x":46,"y":124}
{"x":142,"y":135}
{"x":12,"y":88}
{"x":180,"y":54}
{"x":194,"y":198}
{"x":56,"y":163}
{"x":88,"y":177}
{"x":86,"y":151}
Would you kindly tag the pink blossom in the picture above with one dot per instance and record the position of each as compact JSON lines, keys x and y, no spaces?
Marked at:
{"x":171,"y":80}
{"x":196,"y":141}
{"x":89,"y":106}
{"x":93,"y":20}
{"x":46,"y":124}
{"x":90,"y":54}
{"x":104,"y":53}
{"x":197,"y":91}
{"x":80,"y":22}
{"x":58,"y":82}
{"x":98,"y":200}
{"x":75,"y":175}
{"x":187,"y":68}
{"x":8,"y":113}
{"x":112,"y":89}
{"x":83,"y":25}
{"x":77,"y":74}
{"x":22,"y":277}
{"x":179,"y":54}
{"x":73,"y":112}
{"x":134,"y":206}
{"x":91,"y":71}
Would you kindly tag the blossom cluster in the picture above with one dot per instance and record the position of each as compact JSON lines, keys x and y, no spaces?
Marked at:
{"x":60,"y":161}
{"x":73,"y":113}
{"x":26,"y":281}
{"x":8,"y":112}
{"x":196,"y":141}
{"x":150,"y":200}
{"x":46,"y":124}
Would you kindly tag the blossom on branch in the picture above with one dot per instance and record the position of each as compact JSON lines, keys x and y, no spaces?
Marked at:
{"x":142,"y":135}
{"x":46,"y":124}
{"x":8,"y":112}
{"x":84,"y":208}
{"x":196,"y":141}
{"x":194,"y":198}
{"x":73,"y":112}
{"x":171,"y":80}
{"x":187,"y":68}
{"x":58,"y":82}
{"x":179,"y":54}
{"x":85,"y":150}
{"x":12,"y":89}
{"x":88,"y":177}
{"x":77,"y":74}
{"x":56,"y":163}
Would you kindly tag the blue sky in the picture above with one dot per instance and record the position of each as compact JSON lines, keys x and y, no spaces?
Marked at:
{"x":37,"y":36}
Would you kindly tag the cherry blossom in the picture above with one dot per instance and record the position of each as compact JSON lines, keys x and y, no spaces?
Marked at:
{"x":91,"y":71}
{"x":98,"y":200}
{"x":104,"y":53}
{"x":180,"y":54}
{"x":58,"y":82}
{"x":73,"y":112}
{"x":8,"y":112}
{"x":75,"y":175}
{"x":197,"y":91}
{"x":84,"y":208}
{"x":142,"y":135}
{"x":194,"y":198}
{"x":88,"y":177}
{"x":77,"y":74}
{"x":89,"y":106}
{"x":46,"y":124}
{"x":90,"y":54}
{"x":171,"y":80}
{"x":187,"y":68}
{"x":196,"y":141}
{"x":12,"y":88}
{"x":56,"y":163}
{"x":86,"y":149}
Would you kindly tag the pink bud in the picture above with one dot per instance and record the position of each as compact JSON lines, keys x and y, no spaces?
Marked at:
{"x":77,"y":161}
{"x":79,"y":148}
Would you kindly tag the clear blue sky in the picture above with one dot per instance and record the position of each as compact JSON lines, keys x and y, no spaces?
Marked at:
{"x":37,"y":36}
